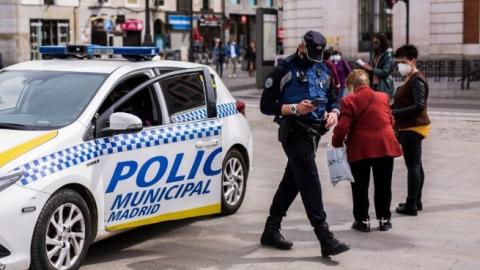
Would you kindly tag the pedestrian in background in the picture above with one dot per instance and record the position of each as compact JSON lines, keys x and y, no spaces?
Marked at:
{"x":251,"y":56}
{"x":327,"y":58}
{"x":366,"y":126}
{"x":413,"y":124}
{"x":381,"y":65}
{"x":343,"y":69}
{"x":232,"y":54}
{"x":219,"y":57}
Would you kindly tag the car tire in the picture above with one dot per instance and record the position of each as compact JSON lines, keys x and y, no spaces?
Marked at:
{"x":65,"y":221}
{"x":234,"y":181}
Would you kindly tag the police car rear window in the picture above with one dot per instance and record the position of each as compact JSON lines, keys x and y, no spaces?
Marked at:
{"x":184,"y":92}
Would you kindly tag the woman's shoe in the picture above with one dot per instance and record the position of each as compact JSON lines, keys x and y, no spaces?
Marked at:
{"x":385,"y":225}
{"x":406,"y":210}
{"x":419,"y":206}
{"x":363,"y":226}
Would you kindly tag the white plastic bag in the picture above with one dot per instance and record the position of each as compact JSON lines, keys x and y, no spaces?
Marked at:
{"x":338,"y":166}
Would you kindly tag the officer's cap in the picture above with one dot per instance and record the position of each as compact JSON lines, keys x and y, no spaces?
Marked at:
{"x":315,"y":43}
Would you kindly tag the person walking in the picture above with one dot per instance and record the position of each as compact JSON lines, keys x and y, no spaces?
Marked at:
{"x":381,"y":65}
{"x":232,"y":54}
{"x":300,"y":94}
{"x":413,"y":124}
{"x":366,"y":126}
{"x":327,"y":59}
{"x":343,"y":69}
{"x":219,"y":57}
{"x":251,"y":56}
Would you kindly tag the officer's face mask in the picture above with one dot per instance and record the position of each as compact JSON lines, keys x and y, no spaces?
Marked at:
{"x":312,"y":55}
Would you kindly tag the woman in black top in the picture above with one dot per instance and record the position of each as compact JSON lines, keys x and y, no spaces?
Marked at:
{"x":413,"y":124}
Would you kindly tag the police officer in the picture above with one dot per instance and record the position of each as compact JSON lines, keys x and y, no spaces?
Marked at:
{"x":300,"y":94}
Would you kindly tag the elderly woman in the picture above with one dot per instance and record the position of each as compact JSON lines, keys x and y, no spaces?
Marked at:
{"x":366,"y":127}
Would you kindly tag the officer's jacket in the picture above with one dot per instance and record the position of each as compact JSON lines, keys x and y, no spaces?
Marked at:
{"x":294,"y":80}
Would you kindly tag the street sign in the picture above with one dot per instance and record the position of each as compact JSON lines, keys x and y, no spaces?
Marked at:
{"x":108,"y":25}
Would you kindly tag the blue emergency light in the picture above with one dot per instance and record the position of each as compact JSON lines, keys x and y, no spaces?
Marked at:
{"x":92,"y":50}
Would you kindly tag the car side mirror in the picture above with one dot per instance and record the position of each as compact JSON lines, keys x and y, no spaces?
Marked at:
{"x":121,"y":122}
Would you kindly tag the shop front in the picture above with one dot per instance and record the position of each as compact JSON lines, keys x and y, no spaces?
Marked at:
{"x":242,"y":27}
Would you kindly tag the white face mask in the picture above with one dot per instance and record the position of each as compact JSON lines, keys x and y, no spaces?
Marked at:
{"x":336,"y":58}
{"x":404,"y":69}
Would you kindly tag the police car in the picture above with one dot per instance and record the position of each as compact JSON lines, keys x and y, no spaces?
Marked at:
{"x":91,"y":147}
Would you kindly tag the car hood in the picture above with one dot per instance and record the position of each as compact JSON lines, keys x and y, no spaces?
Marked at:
{"x":18,"y":142}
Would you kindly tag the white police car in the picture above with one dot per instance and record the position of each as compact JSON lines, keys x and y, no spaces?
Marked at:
{"x":92,"y":147}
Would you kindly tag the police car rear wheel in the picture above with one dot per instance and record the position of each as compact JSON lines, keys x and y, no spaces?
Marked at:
{"x":62,"y":233}
{"x":234,"y":182}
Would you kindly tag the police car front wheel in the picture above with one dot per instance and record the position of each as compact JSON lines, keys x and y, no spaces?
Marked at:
{"x":62,"y":233}
{"x":234,"y":181}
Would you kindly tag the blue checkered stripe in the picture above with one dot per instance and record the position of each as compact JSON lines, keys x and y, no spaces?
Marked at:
{"x":223,"y":110}
{"x":87,"y":151}
{"x":192,"y":115}
{"x":227,"y":109}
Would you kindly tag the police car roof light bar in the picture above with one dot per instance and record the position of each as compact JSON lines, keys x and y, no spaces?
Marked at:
{"x":92,"y":50}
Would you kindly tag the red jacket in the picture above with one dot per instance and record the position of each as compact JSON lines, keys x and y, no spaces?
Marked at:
{"x":372,"y":135}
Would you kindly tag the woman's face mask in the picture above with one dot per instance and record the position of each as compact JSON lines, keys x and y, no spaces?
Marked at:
{"x":336,"y":57}
{"x":404,"y":69}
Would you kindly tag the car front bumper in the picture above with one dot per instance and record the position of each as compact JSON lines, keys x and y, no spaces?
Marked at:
{"x":16,"y":226}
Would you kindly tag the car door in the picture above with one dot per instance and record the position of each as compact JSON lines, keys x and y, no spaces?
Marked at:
{"x":167,"y":171}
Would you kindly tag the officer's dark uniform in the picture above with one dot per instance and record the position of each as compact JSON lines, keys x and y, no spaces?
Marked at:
{"x":293,"y":80}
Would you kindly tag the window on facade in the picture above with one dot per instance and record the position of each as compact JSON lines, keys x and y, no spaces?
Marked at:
{"x":372,"y":17}
{"x":132,"y":2}
{"x":183,"y":5}
{"x":47,"y":32}
{"x":268,"y":3}
{"x":252,"y":2}
{"x":184,"y":93}
{"x":205,"y":4}
{"x":235,"y":2}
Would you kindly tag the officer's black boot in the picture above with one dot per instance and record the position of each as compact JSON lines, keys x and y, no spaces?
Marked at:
{"x":330,"y":245}
{"x":271,"y":235}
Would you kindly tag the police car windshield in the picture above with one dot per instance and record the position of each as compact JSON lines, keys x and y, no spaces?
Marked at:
{"x":43,"y":100}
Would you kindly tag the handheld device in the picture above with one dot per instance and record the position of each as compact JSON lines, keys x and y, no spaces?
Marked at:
{"x":316,"y":102}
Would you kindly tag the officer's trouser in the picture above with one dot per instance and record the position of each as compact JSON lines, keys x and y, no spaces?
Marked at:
{"x":300,"y":175}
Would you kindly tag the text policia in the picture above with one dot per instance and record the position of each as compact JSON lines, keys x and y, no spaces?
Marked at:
{"x":138,"y":203}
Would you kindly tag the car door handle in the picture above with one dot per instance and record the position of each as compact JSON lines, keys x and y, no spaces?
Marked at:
{"x":202,"y":144}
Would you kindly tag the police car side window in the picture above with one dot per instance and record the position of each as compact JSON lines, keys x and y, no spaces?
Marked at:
{"x":183,"y":94}
{"x":143,"y":104}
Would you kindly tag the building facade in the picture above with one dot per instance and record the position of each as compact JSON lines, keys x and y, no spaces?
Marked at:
{"x":438,"y":27}
{"x":28,"y":24}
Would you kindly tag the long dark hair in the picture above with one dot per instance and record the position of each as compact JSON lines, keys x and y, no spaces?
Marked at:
{"x":383,"y":41}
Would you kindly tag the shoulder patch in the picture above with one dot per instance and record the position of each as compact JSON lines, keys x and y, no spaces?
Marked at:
{"x":268,"y":82}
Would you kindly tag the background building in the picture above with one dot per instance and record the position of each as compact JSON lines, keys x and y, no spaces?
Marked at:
{"x":437,"y":27}
{"x":28,"y":24}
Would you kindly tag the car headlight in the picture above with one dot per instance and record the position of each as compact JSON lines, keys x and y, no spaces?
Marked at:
{"x":8,"y":179}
